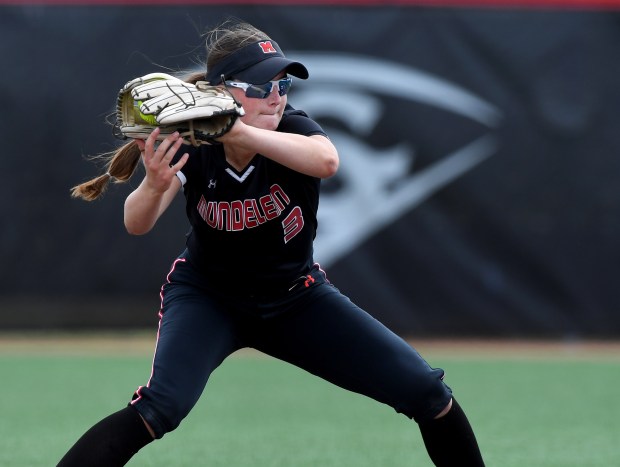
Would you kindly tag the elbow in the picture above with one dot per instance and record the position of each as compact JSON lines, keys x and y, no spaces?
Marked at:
{"x":331,"y":167}
{"x":133,"y":228}
{"x":134,"y":232}
{"x":328,"y":156}
{"x":331,"y":163}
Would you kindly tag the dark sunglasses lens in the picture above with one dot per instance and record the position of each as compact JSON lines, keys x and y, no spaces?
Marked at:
{"x":259,"y":91}
{"x":284,"y":85}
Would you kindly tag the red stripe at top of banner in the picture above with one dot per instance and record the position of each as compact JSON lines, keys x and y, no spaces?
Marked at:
{"x":528,"y":4}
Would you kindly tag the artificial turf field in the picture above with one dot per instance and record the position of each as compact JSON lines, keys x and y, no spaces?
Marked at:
{"x":532,"y":405}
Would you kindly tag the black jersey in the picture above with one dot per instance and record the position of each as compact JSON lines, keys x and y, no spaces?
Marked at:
{"x":251,"y":230}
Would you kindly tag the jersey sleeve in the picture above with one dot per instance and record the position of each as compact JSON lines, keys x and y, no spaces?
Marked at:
{"x":297,"y":121}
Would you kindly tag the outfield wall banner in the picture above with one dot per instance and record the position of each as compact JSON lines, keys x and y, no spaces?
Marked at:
{"x":478,"y":193}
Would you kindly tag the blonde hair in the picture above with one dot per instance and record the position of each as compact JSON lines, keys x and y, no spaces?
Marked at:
{"x":121,"y":164}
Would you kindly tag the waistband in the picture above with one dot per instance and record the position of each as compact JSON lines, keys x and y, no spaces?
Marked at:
{"x":249,"y":287}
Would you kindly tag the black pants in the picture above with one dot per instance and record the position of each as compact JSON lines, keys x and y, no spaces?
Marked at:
{"x":313,"y":326}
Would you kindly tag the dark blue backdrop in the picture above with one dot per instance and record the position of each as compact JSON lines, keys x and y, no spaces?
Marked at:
{"x":478,"y":194}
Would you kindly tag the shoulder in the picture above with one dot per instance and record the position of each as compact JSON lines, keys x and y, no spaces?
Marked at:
{"x":298,"y":121}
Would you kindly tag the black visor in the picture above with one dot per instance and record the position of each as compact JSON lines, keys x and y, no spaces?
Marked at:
{"x":256,"y":63}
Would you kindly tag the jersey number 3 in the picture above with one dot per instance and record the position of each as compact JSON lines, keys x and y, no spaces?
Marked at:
{"x":292,"y":224}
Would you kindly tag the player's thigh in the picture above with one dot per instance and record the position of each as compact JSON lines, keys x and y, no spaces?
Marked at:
{"x":336,"y":340}
{"x":195,"y":335}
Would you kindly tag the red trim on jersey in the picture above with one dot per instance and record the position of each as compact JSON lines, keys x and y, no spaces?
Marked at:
{"x":533,"y":4}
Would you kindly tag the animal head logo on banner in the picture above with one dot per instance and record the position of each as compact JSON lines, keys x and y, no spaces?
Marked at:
{"x":351,"y":96}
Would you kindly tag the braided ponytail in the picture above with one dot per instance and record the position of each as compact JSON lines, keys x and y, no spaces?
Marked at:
{"x":120,"y":166}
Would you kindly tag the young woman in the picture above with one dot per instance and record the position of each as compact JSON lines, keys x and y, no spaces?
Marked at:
{"x":247,"y":277}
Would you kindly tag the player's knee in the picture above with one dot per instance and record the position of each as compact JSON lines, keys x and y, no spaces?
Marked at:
{"x":172,"y":416}
{"x":445,"y":410}
{"x":161,"y":423}
{"x":160,"y":417}
{"x":426,"y":399}
{"x":148,"y":427}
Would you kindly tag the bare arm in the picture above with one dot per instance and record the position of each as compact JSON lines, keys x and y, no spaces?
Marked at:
{"x":315,"y":155}
{"x":146,"y":204}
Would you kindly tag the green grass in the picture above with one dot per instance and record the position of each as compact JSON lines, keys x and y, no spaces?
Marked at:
{"x":259,"y":412}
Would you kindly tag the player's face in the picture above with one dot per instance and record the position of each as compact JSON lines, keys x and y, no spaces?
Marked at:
{"x":262,"y":113}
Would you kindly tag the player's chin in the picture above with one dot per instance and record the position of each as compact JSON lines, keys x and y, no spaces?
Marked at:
{"x":270,"y":121}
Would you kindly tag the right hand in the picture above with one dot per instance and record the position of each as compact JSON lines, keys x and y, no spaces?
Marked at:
{"x":159,"y":172}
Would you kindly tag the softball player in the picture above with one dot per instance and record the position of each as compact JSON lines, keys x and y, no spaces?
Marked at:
{"x":247,"y":277}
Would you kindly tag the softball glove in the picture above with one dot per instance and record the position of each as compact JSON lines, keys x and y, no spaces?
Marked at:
{"x":199,"y":112}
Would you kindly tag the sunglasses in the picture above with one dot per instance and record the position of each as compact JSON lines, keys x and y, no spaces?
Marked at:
{"x":261,"y":91}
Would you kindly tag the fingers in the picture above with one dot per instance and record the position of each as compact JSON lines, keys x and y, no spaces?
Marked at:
{"x":164,"y":152}
{"x":179,"y":165}
{"x":157,"y":159}
{"x":149,"y":143}
{"x":169,"y":147}
{"x":140,"y":143}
